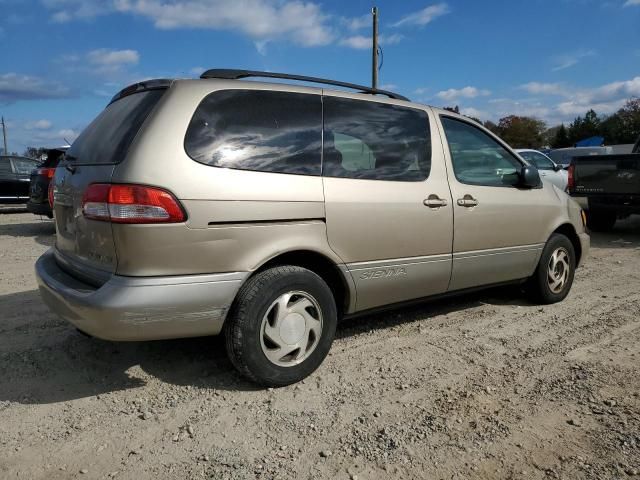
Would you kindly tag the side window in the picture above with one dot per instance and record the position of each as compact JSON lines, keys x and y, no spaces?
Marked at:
{"x":23,"y":167}
{"x":375,"y":141}
{"x":477,"y":158}
{"x":258,"y":130}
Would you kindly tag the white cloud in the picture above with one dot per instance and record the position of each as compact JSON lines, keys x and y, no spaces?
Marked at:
{"x":537,"y":88}
{"x":569,"y":60}
{"x":421,"y":90}
{"x":362,"y":42}
{"x":453,"y":94}
{"x":302,"y":22}
{"x":67,"y":10}
{"x":358,"y":23}
{"x":424,"y":16}
{"x":197,"y":71}
{"x":630,"y":3}
{"x":113,"y":58}
{"x":388,"y":86}
{"x":15,"y":86}
{"x":39,"y":125}
{"x":356,"y":41}
{"x":474,"y":112}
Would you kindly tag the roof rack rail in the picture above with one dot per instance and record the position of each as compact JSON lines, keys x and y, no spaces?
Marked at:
{"x":231,"y":74}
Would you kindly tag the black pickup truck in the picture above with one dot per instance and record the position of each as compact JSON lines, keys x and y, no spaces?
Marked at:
{"x":606,"y":186}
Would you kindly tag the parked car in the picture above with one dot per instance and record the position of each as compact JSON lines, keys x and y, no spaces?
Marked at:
{"x":563,"y":156}
{"x":549,"y":170}
{"x":39,"y":183}
{"x":266,"y":211}
{"x":14,"y":178}
{"x":606,"y":186}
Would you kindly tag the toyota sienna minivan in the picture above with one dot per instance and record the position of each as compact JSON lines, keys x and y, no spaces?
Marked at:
{"x":267,"y":211}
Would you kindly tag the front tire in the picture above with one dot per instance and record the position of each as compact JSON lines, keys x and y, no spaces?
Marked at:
{"x":281,"y":326}
{"x":552,"y":280}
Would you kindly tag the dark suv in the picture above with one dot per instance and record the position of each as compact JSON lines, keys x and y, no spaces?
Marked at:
{"x":40,"y":178}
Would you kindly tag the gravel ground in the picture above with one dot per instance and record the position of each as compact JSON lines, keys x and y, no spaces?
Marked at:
{"x":480,"y":386}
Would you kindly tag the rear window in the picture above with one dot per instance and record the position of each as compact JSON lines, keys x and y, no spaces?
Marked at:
{"x":23,"y":166}
{"x":108,"y":137}
{"x":265,"y":131}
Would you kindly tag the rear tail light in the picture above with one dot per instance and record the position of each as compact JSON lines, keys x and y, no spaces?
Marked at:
{"x":571,"y":179}
{"x":46,"y":172}
{"x":131,"y":204}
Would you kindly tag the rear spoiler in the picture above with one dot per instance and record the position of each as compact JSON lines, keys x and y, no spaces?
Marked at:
{"x":155,"y":84}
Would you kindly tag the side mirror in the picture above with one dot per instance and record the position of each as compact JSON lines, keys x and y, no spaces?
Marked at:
{"x":529,"y":177}
{"x":557,"y":167}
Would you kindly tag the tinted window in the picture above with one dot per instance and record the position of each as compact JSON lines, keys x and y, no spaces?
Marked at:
{"x":477,"y":158}
{"x":107,"y":138}
{"x":23,"y":167}
{"x":258,"y":130}
{"x":538,"y":160}
{"x":375,"y":141}
{"x":5,"y":167}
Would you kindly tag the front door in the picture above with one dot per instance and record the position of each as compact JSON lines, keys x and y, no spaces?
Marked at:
{"x":499,"y":228}
{"x":388,"y":205}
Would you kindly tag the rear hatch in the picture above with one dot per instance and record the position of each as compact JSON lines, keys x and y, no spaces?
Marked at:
{"x":607,"y":175}
{"x":85,"y":248}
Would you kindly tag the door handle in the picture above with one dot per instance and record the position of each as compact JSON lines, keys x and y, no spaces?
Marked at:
{"x":433,"y":201}
{"x":467,"y":201}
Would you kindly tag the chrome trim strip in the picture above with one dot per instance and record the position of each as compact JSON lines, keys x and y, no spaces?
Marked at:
{"x":398,"y":262}
{"x":498,"y":251}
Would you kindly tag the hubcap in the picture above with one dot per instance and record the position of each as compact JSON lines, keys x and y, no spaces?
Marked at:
{"x":558,"y":270}
{"x":291,"y":328}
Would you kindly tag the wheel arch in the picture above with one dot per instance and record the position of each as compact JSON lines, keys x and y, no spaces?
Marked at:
{"x":569,"y":231}
{"x":338,"y":279}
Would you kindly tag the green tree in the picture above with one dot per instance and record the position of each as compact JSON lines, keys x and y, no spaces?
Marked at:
{"x":521,"y":132}
{"x":624,"y":125}
{"x":560,"y":140}
{"x":489,"y":125}
{"x":584,"y":127}
{"x":34,"y":152}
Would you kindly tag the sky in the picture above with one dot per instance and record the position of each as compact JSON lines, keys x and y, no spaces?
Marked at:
{"x":62,"y":60}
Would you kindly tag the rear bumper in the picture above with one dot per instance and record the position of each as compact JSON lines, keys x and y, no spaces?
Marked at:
{"x":143,"y":308}
{"x":585,"y":246}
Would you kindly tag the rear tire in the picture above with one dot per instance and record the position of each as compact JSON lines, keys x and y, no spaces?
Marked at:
{"x":552,"y":280}
{"x":600,"y":221}
{"x":281,"y":326}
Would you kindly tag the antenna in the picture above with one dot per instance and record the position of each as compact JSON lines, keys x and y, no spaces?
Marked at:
{"x":374,"y":59}
{"x":4,"y":135}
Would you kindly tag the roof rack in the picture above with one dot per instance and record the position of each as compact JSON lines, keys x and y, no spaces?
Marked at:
{"x":231,"y":74}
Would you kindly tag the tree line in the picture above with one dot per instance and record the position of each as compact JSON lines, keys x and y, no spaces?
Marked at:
{"x":622,"y":126}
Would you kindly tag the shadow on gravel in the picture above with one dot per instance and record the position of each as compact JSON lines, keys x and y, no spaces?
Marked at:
{"x":625,"y":234}
{"x":505,"y":295}
{"x":45,"y":360}
{"x":42,"y":230}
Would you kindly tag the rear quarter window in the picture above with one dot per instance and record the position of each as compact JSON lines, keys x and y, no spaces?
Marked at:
{"x":258,"y":130}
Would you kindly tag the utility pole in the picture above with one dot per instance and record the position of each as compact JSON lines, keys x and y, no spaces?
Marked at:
{"x":4,"y":135}
{"x":374,"y":60}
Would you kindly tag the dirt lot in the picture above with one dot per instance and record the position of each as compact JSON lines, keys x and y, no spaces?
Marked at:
{"x":482,"y":386}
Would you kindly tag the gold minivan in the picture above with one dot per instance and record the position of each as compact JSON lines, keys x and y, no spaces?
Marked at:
{"x":266,"y":211}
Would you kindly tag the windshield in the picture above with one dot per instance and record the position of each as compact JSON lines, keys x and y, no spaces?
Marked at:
{"x":107,"y":139}
{"x":538,"y":160}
